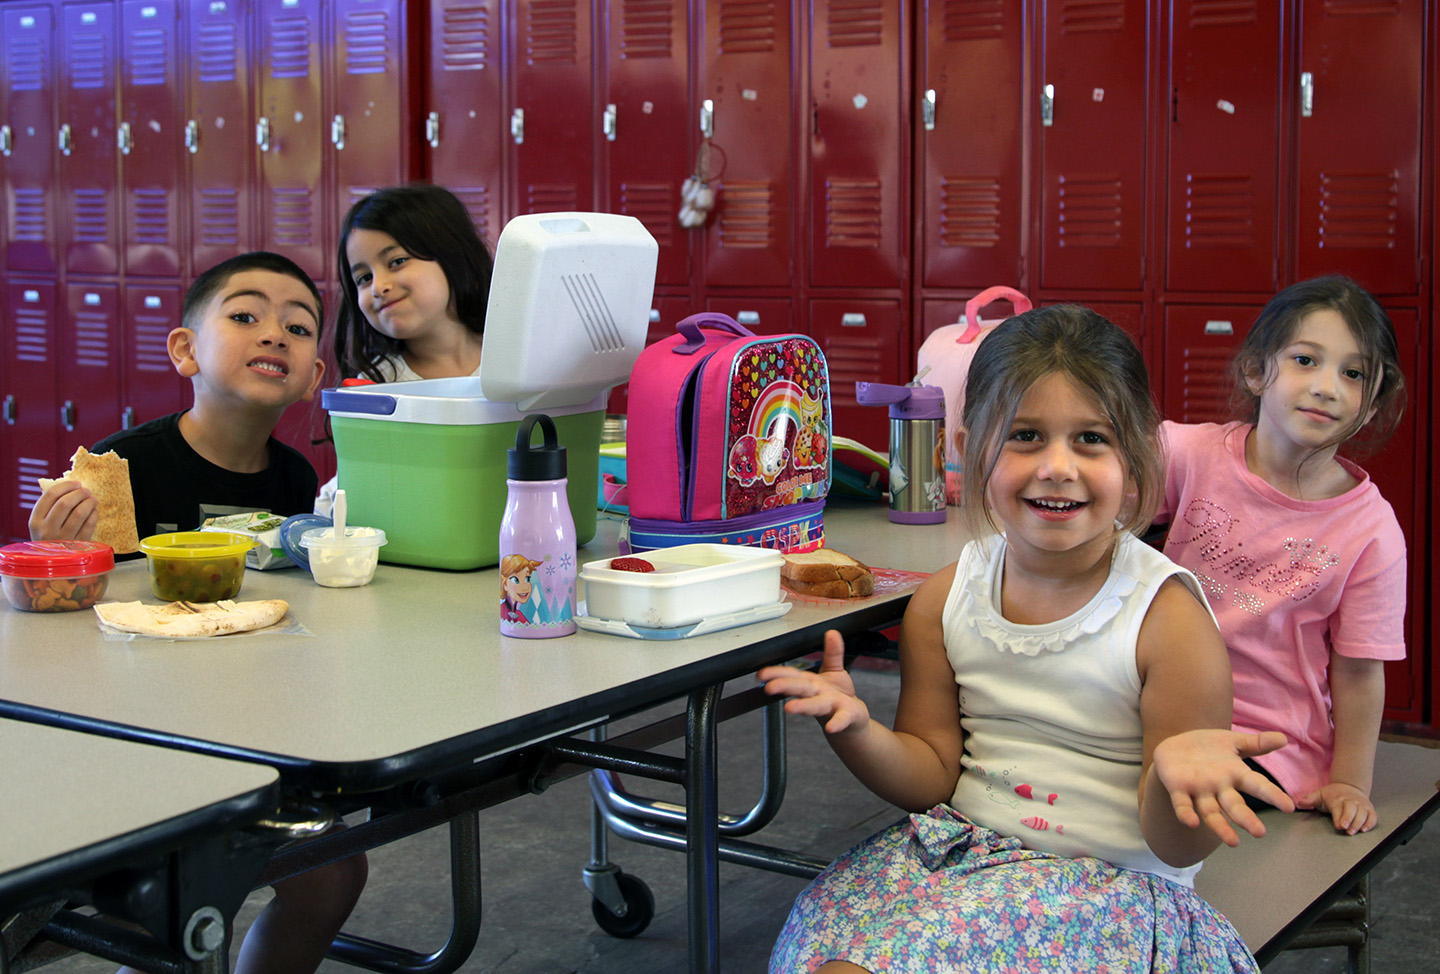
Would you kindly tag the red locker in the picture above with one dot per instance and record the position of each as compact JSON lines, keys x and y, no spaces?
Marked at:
{"x":763,"y":316}
{"x":1224,"y":150}
{"x":970,"y":93}
{"x":1092,"y":146}
{"x":464,"y":121}
{"x":1359,"y":182}
{"x":219,"y":131}
{"x":862,"y":343}
{"x":553,"y":123}
{"x":648,"y":130}
{"x":150,"y":136}
{"x":89,"y":160}
{"x":747,"y":105}
{"x":859,"y":74}
{"x":290,"y":133}
{"x":370,"y":124}
{"x":88,"y":354}
{"x":28,"y":447}
{"x":28,"y":138}
{"x":151,"y":386}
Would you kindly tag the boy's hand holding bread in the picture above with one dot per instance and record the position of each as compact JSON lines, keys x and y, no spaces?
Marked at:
{"x":826,"y":573}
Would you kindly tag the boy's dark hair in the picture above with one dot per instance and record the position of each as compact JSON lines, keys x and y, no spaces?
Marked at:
{"x":431,"y":223}
{"x":1384,"y":389}
{"x":205,"y":287}
{"x":1103,"y":363}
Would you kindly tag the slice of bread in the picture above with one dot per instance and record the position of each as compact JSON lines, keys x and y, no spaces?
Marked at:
{"x":827,"y":573}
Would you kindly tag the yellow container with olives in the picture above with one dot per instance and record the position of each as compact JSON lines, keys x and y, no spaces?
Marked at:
{"x":196,"y":566}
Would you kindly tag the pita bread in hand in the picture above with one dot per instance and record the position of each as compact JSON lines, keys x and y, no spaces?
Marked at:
{"x":107,"y":478}
{"x":182,"y":620}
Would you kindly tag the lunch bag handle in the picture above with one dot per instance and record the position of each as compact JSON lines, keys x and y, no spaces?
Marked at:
{"x":695,"y":339}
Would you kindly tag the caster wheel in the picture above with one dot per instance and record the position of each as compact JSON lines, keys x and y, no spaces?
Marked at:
{"x":639,"y":909}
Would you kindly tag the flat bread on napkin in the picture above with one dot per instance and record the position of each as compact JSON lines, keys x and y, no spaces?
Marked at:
{"x":189,"y":619}
{"x":107,"y":477}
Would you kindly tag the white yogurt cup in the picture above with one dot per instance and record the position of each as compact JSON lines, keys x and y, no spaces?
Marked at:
{"x":343,"y":562}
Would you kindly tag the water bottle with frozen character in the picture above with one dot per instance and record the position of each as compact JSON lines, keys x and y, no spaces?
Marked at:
{"x":537,"y":538}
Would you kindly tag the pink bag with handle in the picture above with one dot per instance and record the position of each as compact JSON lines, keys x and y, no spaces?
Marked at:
{"x":944,"y":361}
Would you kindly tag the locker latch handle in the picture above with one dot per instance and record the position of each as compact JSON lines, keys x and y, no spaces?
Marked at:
{"x":337,"y":132}
{"x":67,"y":140}
{"x":1047,"y":105}
{"x":192,"y":135}
{"x":262,"y":134}
{"x":707,"y":118}
{"x":432,"y":129}
{"x":852,"y":319}
{"x":123,"y":139}
{"x":927,"y":110}
{"x":1307,"y":94}
{"x":517,"y":125}
{"x":7,"y":143}
{"x":127,"y":418}
{"x":10,"y":410}
{"x":607,"y":122}
{"x":747,"y":318}
{"x":67,"y":416}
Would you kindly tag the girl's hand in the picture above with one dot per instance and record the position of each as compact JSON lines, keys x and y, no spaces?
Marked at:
{"x":1350,"y":809}
{"x":1204,"y":771}
{"x":828,"y":695}
{"x":65,"y":512}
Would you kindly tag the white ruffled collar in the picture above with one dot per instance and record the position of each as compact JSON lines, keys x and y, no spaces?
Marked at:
{"x":980,"y":602}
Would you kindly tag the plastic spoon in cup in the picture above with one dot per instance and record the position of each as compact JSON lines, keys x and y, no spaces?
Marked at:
{"x":337,"y":516}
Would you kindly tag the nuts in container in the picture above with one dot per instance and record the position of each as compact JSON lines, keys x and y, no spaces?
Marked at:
{"x":55,"y":576}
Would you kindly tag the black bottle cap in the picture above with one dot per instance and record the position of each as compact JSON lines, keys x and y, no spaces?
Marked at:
{"x":530,"y":462}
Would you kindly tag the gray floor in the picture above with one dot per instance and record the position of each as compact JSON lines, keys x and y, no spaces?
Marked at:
{"x":537,"y":912}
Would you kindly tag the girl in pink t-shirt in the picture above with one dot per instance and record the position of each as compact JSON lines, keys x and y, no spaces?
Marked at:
{"x":1301,"y":558}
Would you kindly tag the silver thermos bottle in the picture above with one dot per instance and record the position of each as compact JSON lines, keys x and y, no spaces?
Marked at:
{"x":917,"y":448}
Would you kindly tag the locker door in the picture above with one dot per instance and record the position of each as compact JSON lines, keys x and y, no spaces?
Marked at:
{"x":465,"y":117}
{"x":648,"y":130}
{"x":219,"y":131}
{"x":29,"y":447}
{"x":861,"y":340}
{"x":89,"y":160}
{"x":1359,"y":182}
{"x":971,"y":144}
{"x":370,"y":125}
{"x":1224,"y":148}
{"x":1199,"y":340}
{"x":745,"y":77}
{"x":151,"y":386}
{"x":1093,"y":146}
{"x":90,"y":368}
{"x":294,"y":219}
{"x":150,"y":136}
{"x":29,"y":172}
{"x":553,"y":123}
{"x":858,"y":132}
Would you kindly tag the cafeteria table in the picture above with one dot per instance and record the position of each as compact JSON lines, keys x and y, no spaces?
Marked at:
{"x":382,"y":690}
{"x":148,"y":832}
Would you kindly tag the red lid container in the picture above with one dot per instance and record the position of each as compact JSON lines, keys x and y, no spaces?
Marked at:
{"x":55,"y":559}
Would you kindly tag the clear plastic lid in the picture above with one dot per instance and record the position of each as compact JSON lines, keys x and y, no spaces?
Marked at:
{"x":55,"y":559}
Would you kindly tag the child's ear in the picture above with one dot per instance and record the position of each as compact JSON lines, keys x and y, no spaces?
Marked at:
{"x":1254,"y":378}
{"x":180,"y":343}
{"x":315,"y":382}
{"x":959,"y":439}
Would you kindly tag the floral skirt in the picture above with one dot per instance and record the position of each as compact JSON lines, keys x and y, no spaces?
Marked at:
{"x":939,"y":893}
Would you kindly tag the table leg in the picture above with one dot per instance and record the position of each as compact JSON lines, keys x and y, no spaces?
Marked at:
{"x":702,"y":838}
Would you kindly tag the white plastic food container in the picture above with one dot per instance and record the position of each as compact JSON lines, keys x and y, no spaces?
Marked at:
{"x":690,"y":583}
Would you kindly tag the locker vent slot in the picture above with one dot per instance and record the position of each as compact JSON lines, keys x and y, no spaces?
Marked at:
{"x":747,"y":26}
{"x":290,"y":47}
{"x":91,"y":216}
{"x":89,"y":65}
{"x":464,"y":39}
{"x":653,"y":204}
{"x":855,"y":23}
{"x":367,"y":42}
{"x":550,"y":198}
{"x":148,"y":59}
{"x":31,"y":470}
{"x":1358,"y":209}
{"x":292,"y":216}
{"x":594,"y":313}
{"x":970,"y":211}
{"x":852,"y":213}
{"x":26,"y":61}
{"x":1219,"y":210}
{"x":1081,"y":16}
{"x":1362,"y":8}
{"x":150,"y":216}
{"x":477,"y":201}
{"x":31,"y":215}
{"x":551,"y":32}
{"x":1222,"y":13}
{"x":149,"y":349}
{"x":745,"y":217}
{"x":220,"y":217}
{"x":974,"y":20}
{"x":851,"y":360}
{"x":92,"y":339}
{"x":646,"y":27}
{"x":32,"y":336}
{"x":216,"y":53}
{"x":1204,"y":388}
{"x":1089,"y":210}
